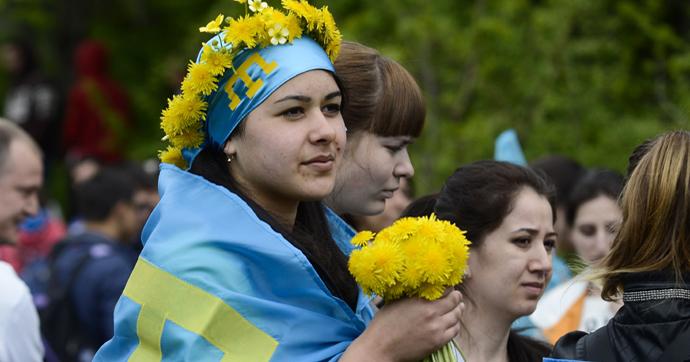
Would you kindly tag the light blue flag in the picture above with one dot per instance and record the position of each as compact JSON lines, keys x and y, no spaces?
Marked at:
{"x":507,"y":148}
{"x":215,"y":283}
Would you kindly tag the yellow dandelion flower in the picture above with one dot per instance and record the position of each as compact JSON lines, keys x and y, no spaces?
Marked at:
{"x":199,"y":79}
{"x":436,"y":264}
{"x":431,"y":291}
{"x":173,"y":155}
{"x":387,"y":262}
{"x":188,"y":139}
{"x":294,"y":27}
{"x":330,"y":34}
{"x":243,"y":31}
{"x":413,"y":274}
{"x":376,"y":267}
{"x":362,"y":238}
{"x":217,"y":60}
{"x":304,"y":10}
{"x":213,"y":26}
{"x":406,"y":226}
{"x":361,"y":267}
{"x":396,"y":291}
{"x":183,"y":112}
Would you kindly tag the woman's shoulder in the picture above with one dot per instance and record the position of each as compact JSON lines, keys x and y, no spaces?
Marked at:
{"x":569,"y":345}
{"x":584,"y":346}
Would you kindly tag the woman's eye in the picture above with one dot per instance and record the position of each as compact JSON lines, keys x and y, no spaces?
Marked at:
{"x":587,"y":230}
{"x":521,"y":242}
{"x":550,"y":244}
{"x":394,"y":148}
{"x":294,"y":112}
{"x":332,"y":109}
{"x":612,"y":228}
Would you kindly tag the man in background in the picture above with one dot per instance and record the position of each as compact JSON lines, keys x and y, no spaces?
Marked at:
{"x":21,"y":178}
{"x":93,"y":266}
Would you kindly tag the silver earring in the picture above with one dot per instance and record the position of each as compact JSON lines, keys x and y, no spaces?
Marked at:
{"x":230,"y":158}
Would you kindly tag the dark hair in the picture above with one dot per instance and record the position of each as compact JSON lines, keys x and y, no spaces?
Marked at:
{"x":143,"y":179}
{"x":525,"y":349}
{"x":562,"y":171}
{"x":310,"y":233}
{"x":379,"y":95}
{"x":477,"y":197}
{"x":637,"y":154}
{"x":595,"y":183}
{"x":97,"y":196}
{"x":422,"y":206}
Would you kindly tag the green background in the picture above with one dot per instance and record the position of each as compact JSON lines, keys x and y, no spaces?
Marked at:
{"x":587,"y":79}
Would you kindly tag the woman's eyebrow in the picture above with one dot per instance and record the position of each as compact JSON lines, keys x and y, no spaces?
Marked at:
{"x":332,"y":95}
{"x":300,"y":98}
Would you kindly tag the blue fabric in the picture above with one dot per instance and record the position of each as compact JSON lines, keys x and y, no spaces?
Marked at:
{"x":507,"y":148}
{"x":209,"y":237}
{"x":560,"y":272}
{"x":290,"y":60}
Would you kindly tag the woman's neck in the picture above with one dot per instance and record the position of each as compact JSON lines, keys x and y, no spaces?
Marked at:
{"x":483,"y":336}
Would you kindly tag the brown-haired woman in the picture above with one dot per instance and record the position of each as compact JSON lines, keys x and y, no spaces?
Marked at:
{"x":384,"y":112}
{"x":649,"y":263}
{"x":508,"y":212}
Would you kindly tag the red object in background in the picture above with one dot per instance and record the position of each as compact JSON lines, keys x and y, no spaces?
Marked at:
{"x":98,"y":112}
{"x":10,"y":254}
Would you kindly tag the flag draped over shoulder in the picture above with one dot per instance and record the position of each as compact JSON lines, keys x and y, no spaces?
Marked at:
{"x":215,"y":283}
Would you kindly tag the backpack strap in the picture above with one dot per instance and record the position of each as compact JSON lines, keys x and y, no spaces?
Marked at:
{"x":55,"y":288}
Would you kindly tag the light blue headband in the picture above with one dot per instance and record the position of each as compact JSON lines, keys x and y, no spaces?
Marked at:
{"x":257,"y":74}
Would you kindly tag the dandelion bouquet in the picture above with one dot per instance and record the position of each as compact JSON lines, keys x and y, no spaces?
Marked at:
{"x":414,"y":257}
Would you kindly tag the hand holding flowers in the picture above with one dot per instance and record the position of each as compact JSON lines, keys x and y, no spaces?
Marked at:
{"x":414,"y":257}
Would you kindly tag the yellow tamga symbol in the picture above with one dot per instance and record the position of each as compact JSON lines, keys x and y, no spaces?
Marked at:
{"x":252,"y":85}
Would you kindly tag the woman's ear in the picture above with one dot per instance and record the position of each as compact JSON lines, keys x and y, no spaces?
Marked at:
{"x":467,"y":274}
{"x":230,"y":148}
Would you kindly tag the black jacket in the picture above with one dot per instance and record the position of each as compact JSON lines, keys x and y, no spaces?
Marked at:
{"x":653,"y":328}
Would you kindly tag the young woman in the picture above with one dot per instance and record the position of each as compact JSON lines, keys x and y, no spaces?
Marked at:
{"x":384,"y":113}
{"x":238,"y":261}
{"x":648,"y":266}
{"x":593,"y":217}
{"x":508,"y":213}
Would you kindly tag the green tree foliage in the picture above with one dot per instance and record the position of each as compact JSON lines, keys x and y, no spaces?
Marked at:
{"x":588,"y":79}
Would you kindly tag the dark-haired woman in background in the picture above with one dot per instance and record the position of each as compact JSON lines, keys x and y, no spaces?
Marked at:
{"x":648,"y":266}
{"x":593,"y":217}
{"x":508,"y":213}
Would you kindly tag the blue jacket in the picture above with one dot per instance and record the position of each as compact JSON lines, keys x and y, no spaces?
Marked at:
{"x":214,"y":282}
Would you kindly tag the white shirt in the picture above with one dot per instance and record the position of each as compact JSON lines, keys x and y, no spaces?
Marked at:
{"x":20,"y":336}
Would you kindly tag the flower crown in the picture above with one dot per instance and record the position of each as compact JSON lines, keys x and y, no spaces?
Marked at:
{"x":261,"y":26}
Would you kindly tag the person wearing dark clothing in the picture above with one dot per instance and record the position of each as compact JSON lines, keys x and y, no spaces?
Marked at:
{"x":95,"y":264}
{"x":32,"y":102}
{"x":98,"y":110}
{"x":648,"y":266}
{"x":99,"y":283}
